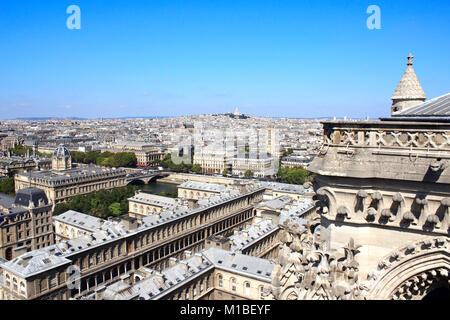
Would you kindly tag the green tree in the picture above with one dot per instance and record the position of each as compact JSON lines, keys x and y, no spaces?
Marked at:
{"x":101,"y":204}
{"x":20,"y":150}
{"x":7,"y":186}
{"x":225,"y":172}
{"x":248,"y":174}
{"x":196,"y":168}
{"x":296,"y":175}
{"x":114,"y":208}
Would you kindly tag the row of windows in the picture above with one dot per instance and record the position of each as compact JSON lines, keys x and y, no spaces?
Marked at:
{"x":15,"y":286}
{"x":246,"y":288}
{"x":98,"y":186}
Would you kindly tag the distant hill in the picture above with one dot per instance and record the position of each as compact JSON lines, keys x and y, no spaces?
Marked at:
{"x":49,"y":118}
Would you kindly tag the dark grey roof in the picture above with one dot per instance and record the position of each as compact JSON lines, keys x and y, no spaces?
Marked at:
{"x":6,"y":201}
{"x":24,"y":196}
{"x":437,"y":107}
{"x":61,"y":152}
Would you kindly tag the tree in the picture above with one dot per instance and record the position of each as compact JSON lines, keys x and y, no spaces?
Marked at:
{"x":225,"y":172}
{"x":114,"y":208}
{"x":196,"y":168}
{"x":248,"y":174}
{"x":297,"y":175}
{"x":20,"y":150}
{"x":103,"y":203}
{"x":7,"y":186}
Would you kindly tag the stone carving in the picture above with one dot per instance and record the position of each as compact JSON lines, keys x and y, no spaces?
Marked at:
{"x":438,"y":165}
{"x":306,"y":269}
{"x":417,"y":285}
{"x":433,"y":139}
{"x":395,"y":210}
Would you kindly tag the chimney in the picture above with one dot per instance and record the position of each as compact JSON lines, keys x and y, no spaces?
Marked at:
{"x":129,"y":223}
{"x":172,"y":261}
{"x":187,"y":254}
{"x":184,"y":265}
{"x":232,"y":255}
{"x":198,"y":257}
{"x":192,"y":204}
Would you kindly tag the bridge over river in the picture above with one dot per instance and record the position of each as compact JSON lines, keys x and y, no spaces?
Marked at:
{"x":146,"y":176}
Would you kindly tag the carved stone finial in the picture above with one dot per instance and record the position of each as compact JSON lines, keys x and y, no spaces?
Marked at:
{"x":410,"y":57}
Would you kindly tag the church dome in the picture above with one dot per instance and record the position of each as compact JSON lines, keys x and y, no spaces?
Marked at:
{"x":61,"y":152}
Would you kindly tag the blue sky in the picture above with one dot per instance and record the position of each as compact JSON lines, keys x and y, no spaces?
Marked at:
{"x":167,"y":58}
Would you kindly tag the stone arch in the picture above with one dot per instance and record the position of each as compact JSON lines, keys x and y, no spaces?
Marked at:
{"x":411,"y":272}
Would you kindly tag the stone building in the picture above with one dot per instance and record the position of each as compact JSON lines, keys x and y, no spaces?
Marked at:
{"x":25,"y":222}
{"x":113,"y":251}
{"x":260,"y":167}
{"x":211,"y":274}
{"x":214,"y":158}
{"x":64,"y":182}
{"x":384,"y":196}
{"x":9,"y":166}
{"x":61,"y":159}
{"x":146,"y":154}
{"x":296,"y":192}
{"x":194,"y":190}
{"x":72,"y":224}
{"x":144,"y":204}
{"x":260,"y":239}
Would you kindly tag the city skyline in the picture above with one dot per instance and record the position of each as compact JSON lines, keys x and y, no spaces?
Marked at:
{"x":156,"y":59}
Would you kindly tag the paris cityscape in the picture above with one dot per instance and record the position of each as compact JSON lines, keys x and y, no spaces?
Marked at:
{"x":150,"y":171}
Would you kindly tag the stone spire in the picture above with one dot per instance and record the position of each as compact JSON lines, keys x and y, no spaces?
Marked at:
{"x":409,"y":92}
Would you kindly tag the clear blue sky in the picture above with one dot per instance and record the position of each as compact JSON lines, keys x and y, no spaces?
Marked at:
{"x":165,"y":58}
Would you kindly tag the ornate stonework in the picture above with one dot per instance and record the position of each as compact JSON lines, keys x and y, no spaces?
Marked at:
{"x":306,"y":269}
{"x":409,"y":92}
{"x":384,"y":185}
{"x":409,"y":273}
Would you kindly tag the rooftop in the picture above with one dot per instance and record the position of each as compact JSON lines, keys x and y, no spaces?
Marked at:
{"x":409,"y":86}
{"x":53,"y":175}
{"x":80,"y":220}
{"x":153,"y":199}
{"x":203,"y":186}
{"x":438,"y":107}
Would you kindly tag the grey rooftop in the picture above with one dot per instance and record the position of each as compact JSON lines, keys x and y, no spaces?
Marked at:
{"x":436,"y":107}
{"x":80,"y":220}
{"x":202,"y":186}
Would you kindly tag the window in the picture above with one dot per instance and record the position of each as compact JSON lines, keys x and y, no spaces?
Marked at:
{"x":53,"y":281}
{"x":261,"y":292}
{"x":22,"y":287}
{"x":14,"y":284}
{"x":233,"y":284}
{"x":220,"y":280}
{"x":247,"y":288}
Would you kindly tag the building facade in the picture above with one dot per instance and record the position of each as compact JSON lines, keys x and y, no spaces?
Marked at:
{"x":144,"y":204}
{"x":114,"y":251}
{"x":25,"y":222}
